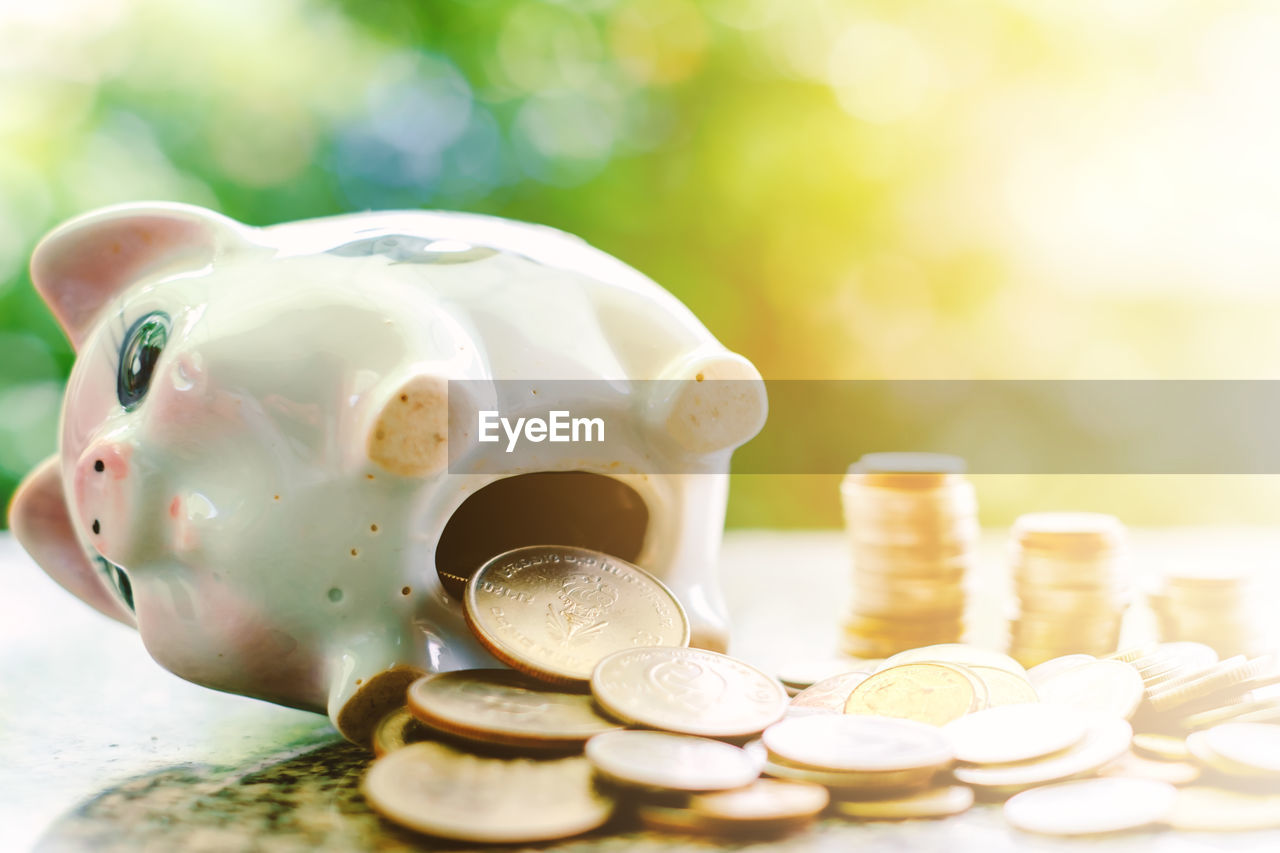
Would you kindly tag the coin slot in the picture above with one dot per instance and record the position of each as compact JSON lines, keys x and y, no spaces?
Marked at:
{"x":544,"y":508}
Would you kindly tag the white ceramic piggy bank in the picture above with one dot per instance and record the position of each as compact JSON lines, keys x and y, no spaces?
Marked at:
{"x":262,"y":465}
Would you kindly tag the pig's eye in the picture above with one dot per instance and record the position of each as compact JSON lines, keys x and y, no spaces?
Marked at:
{"x":138,"y":356}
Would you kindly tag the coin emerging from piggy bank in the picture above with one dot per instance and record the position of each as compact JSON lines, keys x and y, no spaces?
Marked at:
{"x":608,"y":717}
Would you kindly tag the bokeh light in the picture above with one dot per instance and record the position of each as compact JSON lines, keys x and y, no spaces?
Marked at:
{"x":839,"y":188}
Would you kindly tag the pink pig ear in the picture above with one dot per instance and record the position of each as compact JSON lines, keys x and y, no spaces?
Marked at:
{"x":84,"y":263}
{"x":42,"y":525}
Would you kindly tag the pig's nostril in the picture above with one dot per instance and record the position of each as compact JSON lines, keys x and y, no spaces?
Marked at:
{"x":99,"y":466}
{"x":97,"y":528}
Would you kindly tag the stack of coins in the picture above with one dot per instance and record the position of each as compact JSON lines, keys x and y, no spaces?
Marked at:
{"x":1214,"y":609}
{"x":912,"y":520}
{"x":1069,"y":583}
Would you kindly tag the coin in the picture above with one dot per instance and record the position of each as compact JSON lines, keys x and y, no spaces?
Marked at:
{"x":1091,"y":806}
{"x":434,"y":788}
{"x":1014,"y":733}
{"x":1255,"y":710}
{"x":1161,"y":746}
{"x":1105,"y":739}
{"x":1038,"y":673}
{"x":934,"y":693}
{"x":1253,"y":746}
{"x":1132,"y":766}
{"x":505,"y":707}
{"x":1229,"y":672}
{"x":930,"y":803}
{"x":961,"y":653}
{"x":674,"y":819}
{"x":858,"y":743}
{"x":1205,"y":809}
{"x":692,"y":691}
{"x":1105,"y":686}
{"x":805,"y":673}
{"x":1003,"y":687}
{"x":854,"y":783}
{"x":830,"y":694}
{"x":764,"y":805}
{"x":1068,"y":531}
{"x":670,"y":762}
{"x":397,"y":729}
{"x":555,"y":611}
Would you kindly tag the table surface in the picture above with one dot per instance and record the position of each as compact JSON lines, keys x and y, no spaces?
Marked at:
{"x":100,"y":748}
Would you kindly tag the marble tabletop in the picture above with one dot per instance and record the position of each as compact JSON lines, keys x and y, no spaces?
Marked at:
{"x":101,"y":749}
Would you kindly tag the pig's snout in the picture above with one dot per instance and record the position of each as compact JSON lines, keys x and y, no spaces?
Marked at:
{"x":102,"y":487}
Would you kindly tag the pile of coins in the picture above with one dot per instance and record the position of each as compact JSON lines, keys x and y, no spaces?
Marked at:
{"x":912,"y":521}
{"x":591,"y":729}
{"x":1187,"y":688}
{"x":1068,"y":581}
{"x":1214,"y":609}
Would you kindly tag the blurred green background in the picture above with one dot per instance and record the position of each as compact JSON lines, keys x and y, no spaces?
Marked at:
{"x":1000,"y":189}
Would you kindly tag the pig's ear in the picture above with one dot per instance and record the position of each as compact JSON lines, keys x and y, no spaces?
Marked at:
{"x":413,"y":421}
{"x":84,"y":263}
{"x":710,"y":401}
{"x":42,"y":525}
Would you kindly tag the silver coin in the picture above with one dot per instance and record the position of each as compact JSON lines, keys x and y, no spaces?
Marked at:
{"x":1091,"y":806}
{"x":691,"y":691}
{"x":670,"y":762}
{"x":851,"y":742}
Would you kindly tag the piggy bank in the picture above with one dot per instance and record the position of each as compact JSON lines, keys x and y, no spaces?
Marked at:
{"x":271,"y":454}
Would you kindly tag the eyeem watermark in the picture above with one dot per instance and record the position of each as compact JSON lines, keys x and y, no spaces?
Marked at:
{"x":560,"y":426}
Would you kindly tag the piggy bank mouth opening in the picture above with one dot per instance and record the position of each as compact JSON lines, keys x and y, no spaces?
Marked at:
{"x":577,"y":508}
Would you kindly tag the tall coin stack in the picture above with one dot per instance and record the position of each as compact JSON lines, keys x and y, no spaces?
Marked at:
{"x":1210,"y":608}
{"x":1070,"y":585}
{"x":912,"y":520}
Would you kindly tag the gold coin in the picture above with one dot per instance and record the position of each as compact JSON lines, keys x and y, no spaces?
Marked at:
{"x":882,"y":647}
{"x":1105,"y":686}
{"x":857,"y":743}
{"x":1133,"y":653}
{"x":670,"y":762}
{"x":1065,"y":632}
{"x":1091,"y":806}
{"x":1190,"y":655}
{"x":1059,"y":602}
{"x":934,"y":693}
{"x":669,"y":819}
{"x":692,"y":691}
{"x":904,"y":627}
{"x":1105,"y":740}
{"x":1132,"y":766}
{"x":1257,"y":710}
{"x":556,"y":611}
{"x":830,"y":694}
{"x":961,"y":653}
{"x":1015,"y":733}
{"x":397,"y":729}
{"x":1161,"y":746}
{"x":505,"y":707}
{"x":931,"y":803}
{"x":1253,"y":746}
{"x":1205,"y":809}
{"x":764,"y":805}
{"x":1068,"y":532}
{"x":1225,"y":674}
{"x":1003,"y":687}
{"x":1038,"y":673}
{"x":436,"y":789}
